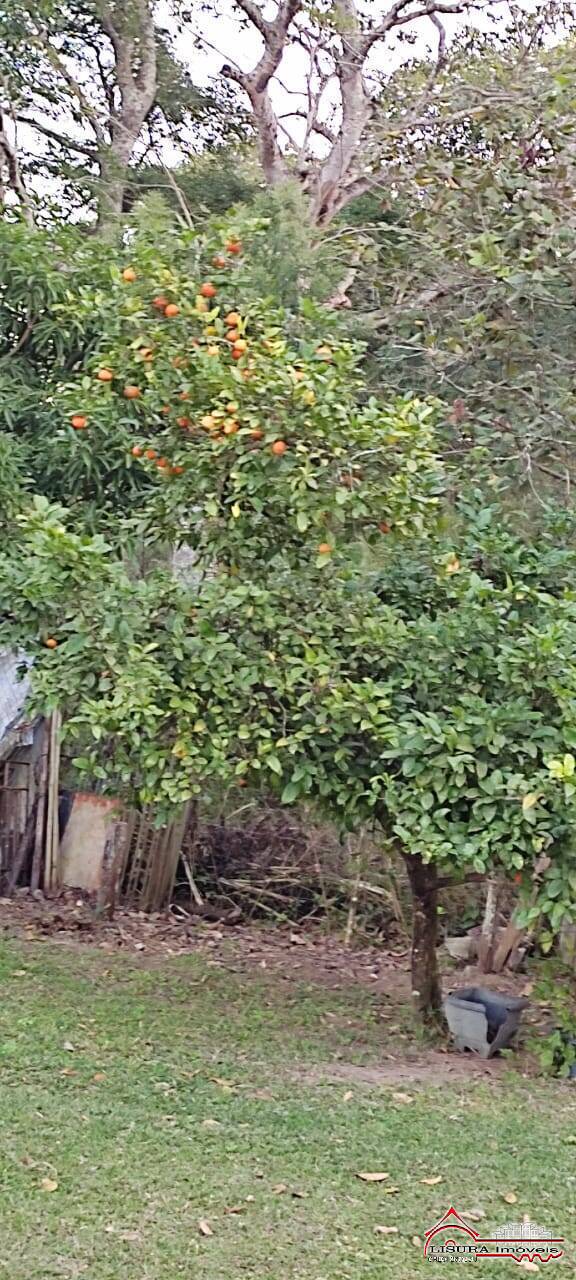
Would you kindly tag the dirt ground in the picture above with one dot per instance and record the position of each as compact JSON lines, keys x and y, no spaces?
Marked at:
{"x":287,"y":955}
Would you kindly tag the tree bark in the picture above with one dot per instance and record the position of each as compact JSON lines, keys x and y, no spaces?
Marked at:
{"x":133,"y":39}
{"x":426,"y":989}
{"x":488,"y":932}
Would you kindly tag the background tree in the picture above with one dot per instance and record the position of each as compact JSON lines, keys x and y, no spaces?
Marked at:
{"x":470,"y":292}
{"x":88,"y":91}
{"x":325,"y":134}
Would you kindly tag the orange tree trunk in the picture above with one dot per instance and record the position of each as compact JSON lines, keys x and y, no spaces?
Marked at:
{"x":426,"y":989}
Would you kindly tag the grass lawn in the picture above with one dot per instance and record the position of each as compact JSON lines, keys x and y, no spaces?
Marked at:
{"x":137,"y":1104}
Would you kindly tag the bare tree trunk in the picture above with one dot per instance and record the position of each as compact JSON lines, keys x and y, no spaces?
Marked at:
{"x":426,"y":989}
{"x":131,"y":32}
{"x":488,"y":931}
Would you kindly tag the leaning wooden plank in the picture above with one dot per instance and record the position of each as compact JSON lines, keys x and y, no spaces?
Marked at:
{"x":52,"y":840}
{"x":22,"y":851}
{"x":39,"y":834}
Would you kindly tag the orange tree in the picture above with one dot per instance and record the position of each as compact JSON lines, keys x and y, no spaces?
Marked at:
{"x":161,"y":398}
{"x":248,"y":436}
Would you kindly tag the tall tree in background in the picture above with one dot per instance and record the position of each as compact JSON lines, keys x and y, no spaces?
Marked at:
{"x":88,"y":90}
{"x":334,"y":151}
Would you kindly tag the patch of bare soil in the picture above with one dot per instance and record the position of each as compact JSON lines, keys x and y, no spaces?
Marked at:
{"x":288,"y":953}
{"x":292,"y":955}
{"x":432,"y":1068}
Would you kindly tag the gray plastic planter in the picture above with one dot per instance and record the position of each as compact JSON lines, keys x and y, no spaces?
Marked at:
{"x":481,"y":1020}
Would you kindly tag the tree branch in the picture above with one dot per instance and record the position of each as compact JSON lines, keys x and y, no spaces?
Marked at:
{"x":397,"y":17}
{"x":254,"y":13}
{"x":76,"y":89}
{"x":14,"y":175}
{"x":85,"y":147}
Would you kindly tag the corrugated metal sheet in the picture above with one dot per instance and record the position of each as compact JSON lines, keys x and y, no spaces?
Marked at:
{"x":13,"y":691}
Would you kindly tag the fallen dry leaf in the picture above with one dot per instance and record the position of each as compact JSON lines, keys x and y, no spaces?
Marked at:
{"x":402,"y":1097}
{"x":348,"y":1095}
{"x":235,"y":1208}
{"x":68,"y":1046}
{"x":48,"y":1184}
{"x":373,"y":1177}
{"x":417,"y":1241}
{"x":510,"y":1197}
{"x":204,"y":1228}
{"x":20,"y":973}
{"x":298,"y":1195}
{"x":528,"y":1265}
{"x":98,"y":1077}
{"x":298,"y":939}
{"x":473,"y":1215}
{"x":432,"y":1182}
{"x":390,"y":1191}
{"x":279,"y":1189}
{"x":222,"y":1084}
{"x":386,"y":1231}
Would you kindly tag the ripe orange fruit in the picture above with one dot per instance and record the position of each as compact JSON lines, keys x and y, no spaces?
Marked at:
{"x":131,"y":392}
{"x":234,"y":246}
{"x":136,"y":451}
{"x":230,"y":428}
{"x":177,"y":471}
{"x":160,"y":302}
{"x":171,"y":310}
{"x":79,"y":421}
{"x":183,"y":422}
{"x":150,"y":453}
{"x":232,"y":335}
{"x":219,"y":260}
{"x":129,"y":275}
{"x":104,"y":375}
{"x":279,"y":447}
{"x":384,"y":527}
{"x":162,"y":463}
{"x":51,"y":643}
{"x":236,"y":353}
{"x":232,"y":319}
{"x":257,"y":433}
{"x":146,"y":353}
{"x":240,"y":344}
{"x":232,"y":408}
{"x":208,"y":290}
{"x":324,"y":549}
